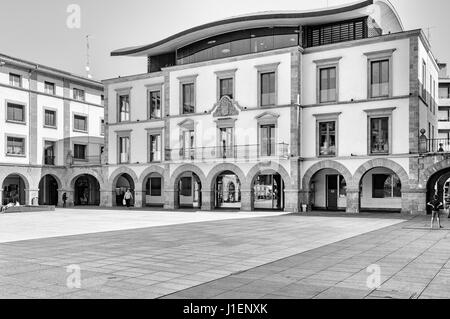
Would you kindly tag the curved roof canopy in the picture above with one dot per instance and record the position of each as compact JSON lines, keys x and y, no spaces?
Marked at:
{"x":378,"y":9}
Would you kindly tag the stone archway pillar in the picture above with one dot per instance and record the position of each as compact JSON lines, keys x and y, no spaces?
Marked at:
{"x":1,"y":196}
{"x":207,"y":200}
{"x":31,"y":196}
{"x":106,"y":198}
{"x":138,"y":198}
{"x":353,"y":201}
{"x":414,"y":202}
{"x":246,"y":200}
{"x":169,"y":199}
{"x":291,"y":201}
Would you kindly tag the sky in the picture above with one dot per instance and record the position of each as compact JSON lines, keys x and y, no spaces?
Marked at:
{"x":38,"y":30}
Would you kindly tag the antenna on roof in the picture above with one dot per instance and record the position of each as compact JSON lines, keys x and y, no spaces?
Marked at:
{"x":429,"y":34}
{"x":88,"y":58}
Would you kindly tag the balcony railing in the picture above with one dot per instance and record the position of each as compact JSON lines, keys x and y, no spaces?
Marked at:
{"x":237,"y":152}
{"x":438,"y":145}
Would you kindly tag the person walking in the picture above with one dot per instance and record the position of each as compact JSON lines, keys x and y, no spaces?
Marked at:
{"x":128,"y":197}
{"x":64,"y":199}
{"x":435,"y":205}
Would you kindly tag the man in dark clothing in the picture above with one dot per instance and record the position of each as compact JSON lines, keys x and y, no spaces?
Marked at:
{"x":64,"y":198}
{"x":435,"y":205}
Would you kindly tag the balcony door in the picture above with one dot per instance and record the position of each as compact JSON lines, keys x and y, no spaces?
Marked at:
{"x":267,"y":140}
{"x":188,"y":144}
{"x":49,"y":153}
{"x":226,"y":142}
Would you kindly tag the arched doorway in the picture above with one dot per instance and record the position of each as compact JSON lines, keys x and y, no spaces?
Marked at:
{"x":86,"y":191}
{"x":14,"y":190}
{"x":154,"y":190}
{"x":123,"y":183}
{"x":439,"y":184}
{"x":380,"y":190}
{"x":189,"y":190}
{"x":328,"y":190}
{"x":48,"y":191}
{"x":228,"y":191}
{"x":268,"y":192}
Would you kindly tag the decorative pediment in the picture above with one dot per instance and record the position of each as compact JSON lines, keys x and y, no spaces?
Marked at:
{"x":225,"y":107}
{"x":187,"y":124}
{"x":267,"y":118}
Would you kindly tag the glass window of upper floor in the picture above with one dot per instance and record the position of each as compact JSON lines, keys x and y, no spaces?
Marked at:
{"x":49,"y":88}
{"x":15,"y":80}
{"x":124,"y":108}
{"x":268,"y":94}
{"x":15,"y":113}
{"x":78,"y":95}
{"x":239,"y":43}
{"x":188,"y":98}
{"x":444,"y":90}
{"x":379,"y":78}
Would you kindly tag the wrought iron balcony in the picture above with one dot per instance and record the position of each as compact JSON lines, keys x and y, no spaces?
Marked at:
{"x":236,"y":152}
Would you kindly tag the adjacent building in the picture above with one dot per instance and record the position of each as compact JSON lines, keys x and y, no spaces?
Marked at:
{"x":52,"y":132}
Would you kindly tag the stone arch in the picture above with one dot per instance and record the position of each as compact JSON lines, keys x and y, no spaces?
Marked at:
{"x":272,"y":168}
{"x":119,"y":172}
{"x":149,"y":170}
{"x":25,"y":180}
{"x":220,"y":168}
{"x":328,"y":164}
{"x":55,"y":176}
{"x":382,"y":163}
{"x":172,"y":185}
{"x":432,"y":170}
{"x":79,"y":172}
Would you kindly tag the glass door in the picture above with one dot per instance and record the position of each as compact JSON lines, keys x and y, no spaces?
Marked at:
{"x":226,"y":142}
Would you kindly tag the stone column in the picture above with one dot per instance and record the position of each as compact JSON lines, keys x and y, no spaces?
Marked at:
{"x":106,"y":198}
{"x":31,"y":196}
{"x":352,"y":201}
{"x":414,"y":202}
{"x":138,"y":199}
{"x":169,"y":199}
{"x":1,"y":196}
{"x":207,"y":200}
{"x":291,"y":201}
{"x":304,"y":199}
{"x":70,"y":198}
{"x":246,"y":200}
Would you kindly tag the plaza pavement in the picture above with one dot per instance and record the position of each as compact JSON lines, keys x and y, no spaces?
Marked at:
{"x":146,"y":260}
{"x":414,"y":262}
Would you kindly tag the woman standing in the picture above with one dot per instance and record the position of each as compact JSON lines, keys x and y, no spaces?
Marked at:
{"x":128,"y":197}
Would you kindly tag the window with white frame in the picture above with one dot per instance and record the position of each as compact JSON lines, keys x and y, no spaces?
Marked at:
{"x":15,"y":80}
{"x":15,"y":146}
{"x":15,"y":112}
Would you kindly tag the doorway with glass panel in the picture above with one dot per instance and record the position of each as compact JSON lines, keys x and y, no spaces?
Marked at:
{"x":268,"y":192}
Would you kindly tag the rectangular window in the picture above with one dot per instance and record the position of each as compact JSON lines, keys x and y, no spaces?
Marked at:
{"x":80,"y":123}
{"x":267,"y":89}
{"x":386,"y":186}
{"x":444,"y":91}
{"x":155,"y":186}
{"x":15,"y":146}
{"x":327,"y":84}
{"x":49,"y":88}
{"x":424,"y":80}
{"x":102,"y":127}
{"x":124,"y":150}
{"x":50,"y":118}
{"x":155,"y":148}
{"x":188,"y":98}
{"x":49,"y":153}
{"x":15,"y":113}
{"x":124,"y":108}
{"x":15,"y":80}
{"x":155,"y":104}
{"x":78,"y":95}
{"x":267,"y":140}
{"x":226,"y":88}
{"x":327,"y":139}
{"x":379,"y":135}
{"x":379,"y":79}
{"x":79,"y":151}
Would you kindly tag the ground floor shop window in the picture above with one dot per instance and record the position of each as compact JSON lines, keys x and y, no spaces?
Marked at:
{"x":386,"y":186}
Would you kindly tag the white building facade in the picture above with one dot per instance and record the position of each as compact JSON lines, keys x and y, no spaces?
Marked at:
{"x":52,"y":134}
{"x":278,"y":110}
